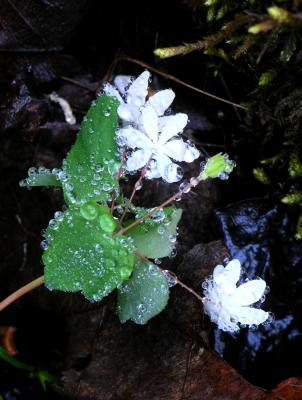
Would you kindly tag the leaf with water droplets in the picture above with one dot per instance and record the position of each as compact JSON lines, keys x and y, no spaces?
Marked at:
{"x":144,"y":295}
{"x":157,"y":241}
{"x":40,"y":177}
{"x":93,"y":160}
{"x":81,"y":256}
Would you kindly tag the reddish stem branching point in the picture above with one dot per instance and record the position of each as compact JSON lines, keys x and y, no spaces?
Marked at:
{"x":186,"y":189}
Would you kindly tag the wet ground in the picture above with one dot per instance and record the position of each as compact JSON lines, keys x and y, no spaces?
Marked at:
{"x":84,"y":344}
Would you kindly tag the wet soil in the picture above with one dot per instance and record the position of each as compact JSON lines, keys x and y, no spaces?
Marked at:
{"x":178,"y":355}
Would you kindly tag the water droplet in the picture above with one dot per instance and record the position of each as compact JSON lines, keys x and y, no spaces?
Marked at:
{"x":173,"y":238}
{"x":184,"y":186}
{"x":53,"y":224}
{"x":160,"y":230}
{"x":44,"y":245}
{"x":32,"y":171}
{"x":69,"y":186}
{"x":194,"y":181}
{"x":223,"y":176}
{"x":158,"y":216}
{"x":59,"y":215}
{"x":62,"y":176}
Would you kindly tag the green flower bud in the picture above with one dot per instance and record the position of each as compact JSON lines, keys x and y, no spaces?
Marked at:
{"x":218,"y":166}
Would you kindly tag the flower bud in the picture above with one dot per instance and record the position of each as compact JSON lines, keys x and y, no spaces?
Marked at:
{"x":218,"y":166}
{"x":279,"y":14}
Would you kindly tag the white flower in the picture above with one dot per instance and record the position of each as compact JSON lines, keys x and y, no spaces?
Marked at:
{"x":228,"y":305}
{"x":152,"y":136}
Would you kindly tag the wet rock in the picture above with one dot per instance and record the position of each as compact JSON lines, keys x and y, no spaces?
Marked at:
{"x":261,"y":235}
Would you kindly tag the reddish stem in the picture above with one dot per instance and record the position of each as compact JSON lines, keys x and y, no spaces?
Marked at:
{"x":161,"y":206}
{"x":20,"y":292}
{"x":136,"y":185}
{"x":119,"y":174}
{"x":173,"y":276}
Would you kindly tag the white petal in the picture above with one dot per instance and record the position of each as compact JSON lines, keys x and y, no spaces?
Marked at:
{"x":173,"y":125}
{"x":219,"y":269}
{"x":128,"y":112}
{"x":250,"y":315}
{"x":228,"y":277}
{"x":137,"y":160}
{"x":249,"y":292}
{"x":133,"y":138}
{"x":175,"y":149}
{"x":138,"y":91}
{"x":111,"y":91}
{"x":121,"y":82}
{"x":160,"y":101}
{"x":168,"y":170}
{"x":153,"y":172}
{"x":149,"y":123}
{"x":191,"y":153}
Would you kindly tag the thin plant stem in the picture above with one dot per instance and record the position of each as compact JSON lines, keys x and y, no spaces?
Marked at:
{"x":171,"y":274}
{"x":135,"y":188}
{"x":119,"y":174}
{"x":20,"y":292}
{"x":161,"y":206}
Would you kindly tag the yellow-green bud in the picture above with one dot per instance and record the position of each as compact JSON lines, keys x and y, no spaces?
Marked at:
{"x":218,"y":166}
{"x":166,"y":52}
{"x":255,"y":29}
{"x":294,"y":198}
{"x":279,"y":14}
{"x":261,"y":176}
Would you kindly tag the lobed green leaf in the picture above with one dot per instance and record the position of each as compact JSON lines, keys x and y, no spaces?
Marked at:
{"x":157,"y":240}
{"x":93,"y":160}
{"x":81,"y":256}
{"x":144,"y":295}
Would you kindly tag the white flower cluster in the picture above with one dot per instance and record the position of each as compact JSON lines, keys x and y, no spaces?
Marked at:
{"x":152,"y":136}
{"x":228,"y":305}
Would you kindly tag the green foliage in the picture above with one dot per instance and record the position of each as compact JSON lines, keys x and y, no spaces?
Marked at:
{"x":43,"y":376}
{"x":83,"y":250}
{"x":267,"y":77}
{"x":82,"y":257}
{"x":92,"y":162}
{"x":145,"y":295}
{"x":261,"y":41}
{"x":157,"y":240}
{"x":40,"y":177}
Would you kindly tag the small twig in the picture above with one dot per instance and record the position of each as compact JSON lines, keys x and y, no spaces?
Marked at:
{"x":20,"y":292}
{"x":80,"y":84}
{"x":180,"y":82}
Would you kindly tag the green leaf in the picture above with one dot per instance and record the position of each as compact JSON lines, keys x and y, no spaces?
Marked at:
{"x":81,"y":256}
{"x":93,"y":159}
{"x":267,"y":77}
{"x":156,"y":241}
{"x":40,"y":177}
{"x":144,"y":295}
